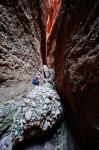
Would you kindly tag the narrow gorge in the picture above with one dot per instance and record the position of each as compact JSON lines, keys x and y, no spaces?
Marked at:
{"x":54,"y":42}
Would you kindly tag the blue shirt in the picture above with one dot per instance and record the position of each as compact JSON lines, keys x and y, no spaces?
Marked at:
{"x":35,"y":82}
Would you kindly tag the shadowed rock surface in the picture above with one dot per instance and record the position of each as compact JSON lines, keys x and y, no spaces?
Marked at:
{"x":73,"y":46}
{"x":60,"y":140}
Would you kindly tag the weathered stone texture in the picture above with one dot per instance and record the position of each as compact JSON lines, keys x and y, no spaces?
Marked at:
{"x":75,"y":37}
{"x":20,"y":43}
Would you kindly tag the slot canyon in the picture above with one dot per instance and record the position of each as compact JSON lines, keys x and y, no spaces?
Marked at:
{"x":63,"y":37}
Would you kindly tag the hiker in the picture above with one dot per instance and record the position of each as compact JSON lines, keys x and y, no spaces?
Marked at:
{"x":35,"y":81}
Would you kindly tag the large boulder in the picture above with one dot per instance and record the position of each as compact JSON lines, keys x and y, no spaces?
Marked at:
{"x":39,"y":111}
{"x":31,"y":115}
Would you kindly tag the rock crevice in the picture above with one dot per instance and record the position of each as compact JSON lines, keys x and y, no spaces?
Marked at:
{"x":75,"y":57}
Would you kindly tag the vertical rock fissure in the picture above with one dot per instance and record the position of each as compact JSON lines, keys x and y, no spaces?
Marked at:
{"x":74,"y":51}
{"x":53,"y":9}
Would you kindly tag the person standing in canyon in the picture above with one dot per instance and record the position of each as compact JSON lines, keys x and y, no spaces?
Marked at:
{"x":35,"y":81}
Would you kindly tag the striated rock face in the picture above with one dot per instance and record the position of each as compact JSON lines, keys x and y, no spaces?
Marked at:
{"x":53,"y":7}
{"x":75,"y":54}
{"x":21,"y":26}
{"x":53,"y":10}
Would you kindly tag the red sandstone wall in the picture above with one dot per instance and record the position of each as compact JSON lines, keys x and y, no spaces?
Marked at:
{"x":53,"y":7}
{"x":73,"y":48}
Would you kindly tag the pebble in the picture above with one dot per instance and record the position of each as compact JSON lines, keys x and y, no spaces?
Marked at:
{"x":20,"y":138}
{"x":22,"y":121}
{"x":5,"y":141}
{"x":46,"y":125}
{"x":33,"y":104}
{"x":26,"y":100}
{"x":59,"y":104}
{"x":16,"y":133}
{"x":23,"y":104}
{"x":28,"y":115}
{"x":47,"y":101}
{"x":45,"y":107}
{"x":53,"y":112}
{"x":42,"y":112}
{"x":44,"y":96}
{"x":4,"y":147}
{"x":57,"y":112}
{"x":31,"y":95}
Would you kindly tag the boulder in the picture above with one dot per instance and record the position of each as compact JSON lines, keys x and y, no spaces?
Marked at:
{"x":35,"y":120}
{"x":46,"y":71}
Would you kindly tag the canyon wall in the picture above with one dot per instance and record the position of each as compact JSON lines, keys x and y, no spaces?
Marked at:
{"x":53,"y":9}
{"x":21,"y":34}
{"x":71,"y":32}
{"x":73,"y":50}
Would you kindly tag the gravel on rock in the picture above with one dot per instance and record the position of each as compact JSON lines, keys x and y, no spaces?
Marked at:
{"x":39,"y":111}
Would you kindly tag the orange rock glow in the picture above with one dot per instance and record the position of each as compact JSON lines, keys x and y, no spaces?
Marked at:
{"x":53,"y":7}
